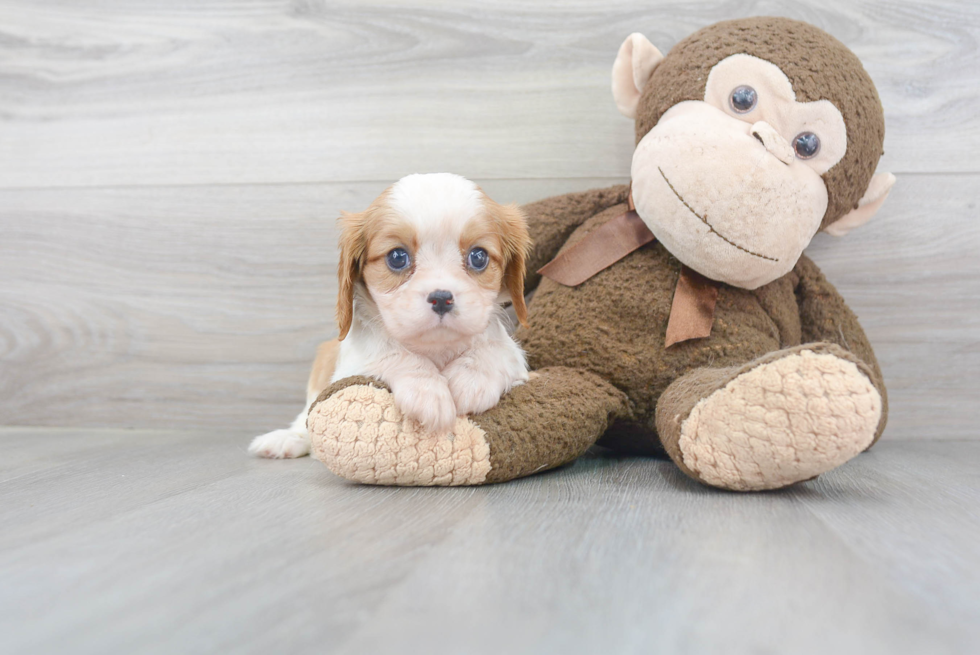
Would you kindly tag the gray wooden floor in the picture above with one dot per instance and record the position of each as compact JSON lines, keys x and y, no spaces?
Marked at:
{"x":165,"y":542}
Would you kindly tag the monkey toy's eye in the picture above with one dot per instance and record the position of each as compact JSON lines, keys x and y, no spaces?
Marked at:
{"x":477,"y":259}
{"x":398,"y":259}
{"x":806,"y":145}
{"x":743,"y":99}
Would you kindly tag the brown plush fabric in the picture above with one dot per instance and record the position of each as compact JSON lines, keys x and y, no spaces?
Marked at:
{"x":552,"y":220}
{"x":820,"y":68}
{"x":548,"y":421}
{"x":615,"y":324}
{"x":683,"y":394}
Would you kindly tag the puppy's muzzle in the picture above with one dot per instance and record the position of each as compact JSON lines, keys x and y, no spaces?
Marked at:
{"x":441,"y":301}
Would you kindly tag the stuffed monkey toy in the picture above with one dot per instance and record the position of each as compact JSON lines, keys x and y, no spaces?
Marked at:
{"x":678,"y":314}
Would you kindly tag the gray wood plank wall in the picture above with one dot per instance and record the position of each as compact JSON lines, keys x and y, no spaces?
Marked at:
{"x":170,"y":173}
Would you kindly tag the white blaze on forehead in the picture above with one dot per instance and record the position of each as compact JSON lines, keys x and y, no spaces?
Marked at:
{"x":437,"y":205}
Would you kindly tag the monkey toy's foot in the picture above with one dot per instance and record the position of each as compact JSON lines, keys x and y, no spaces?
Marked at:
{"x":785,"y":418}
{"x":360,"y":435}
{"x":356,"y":430}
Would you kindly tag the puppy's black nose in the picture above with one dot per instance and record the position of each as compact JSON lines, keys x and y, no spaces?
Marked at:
{"x":442,"y":301}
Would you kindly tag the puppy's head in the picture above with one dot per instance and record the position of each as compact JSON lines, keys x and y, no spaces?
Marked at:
{"x":434,"y":252}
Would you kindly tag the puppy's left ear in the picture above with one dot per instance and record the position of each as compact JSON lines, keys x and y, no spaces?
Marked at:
{"x":512,"y":228}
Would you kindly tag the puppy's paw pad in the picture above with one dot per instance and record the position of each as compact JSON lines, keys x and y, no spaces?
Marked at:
{"x":361,"y":435}
{"x":781,"y":422}
{"x":280,"y":444}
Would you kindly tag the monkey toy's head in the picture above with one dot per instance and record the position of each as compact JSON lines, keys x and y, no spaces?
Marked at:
{"x":752,"y":135}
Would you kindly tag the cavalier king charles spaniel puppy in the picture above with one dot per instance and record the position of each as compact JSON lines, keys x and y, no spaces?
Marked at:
{"x":423,"y":272}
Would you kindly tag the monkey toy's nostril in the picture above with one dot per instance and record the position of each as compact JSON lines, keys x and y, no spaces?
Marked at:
{"x":442,"y":301}
{"x":773,"y":141}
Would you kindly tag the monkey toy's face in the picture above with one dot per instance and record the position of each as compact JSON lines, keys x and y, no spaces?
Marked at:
{"x":732,"y":183}
{"x":732,"y":175}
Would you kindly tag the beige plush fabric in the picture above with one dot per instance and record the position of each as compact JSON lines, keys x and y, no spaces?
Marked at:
{"x":781,"y":422}
{"x":360,"y":435}
{"x":636,"y":60}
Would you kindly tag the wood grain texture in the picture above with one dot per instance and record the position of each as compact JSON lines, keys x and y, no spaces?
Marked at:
{"x":172,"y":307}
{"x":235,"y":92}
{"x":202,"y":306}
{"x":170,"y":172}
{"x":156,"y":541}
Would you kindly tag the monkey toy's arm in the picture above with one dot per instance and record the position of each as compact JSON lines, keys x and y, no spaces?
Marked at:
{"x":552,"y":220}
{"x":825,"y":317}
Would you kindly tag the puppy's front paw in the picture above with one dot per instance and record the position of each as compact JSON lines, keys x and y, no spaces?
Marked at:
{"x":472,"y":399}
{"x":280,"y":444}
{"x":473,"y":391}
{"x":428,"y":401}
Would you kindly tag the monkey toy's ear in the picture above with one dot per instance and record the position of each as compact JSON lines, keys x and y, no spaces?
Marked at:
{"x":633,"y":66}
{"x":868,"y":206}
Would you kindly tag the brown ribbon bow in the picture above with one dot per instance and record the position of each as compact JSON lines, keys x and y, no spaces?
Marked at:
{"x":692,"y":311}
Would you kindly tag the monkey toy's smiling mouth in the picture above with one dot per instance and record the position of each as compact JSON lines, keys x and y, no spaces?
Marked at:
{"x":709,"y":225}
{"x":754,"y":212}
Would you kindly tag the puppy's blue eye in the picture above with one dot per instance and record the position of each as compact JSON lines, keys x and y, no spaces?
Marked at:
{"x":806,"y":145}
{"x":743,"y":99}
{"x":478,"y":259}
{"x":398,"y":259}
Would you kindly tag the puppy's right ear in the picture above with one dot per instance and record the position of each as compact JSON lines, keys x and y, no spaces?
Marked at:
{"x":353,"y":247}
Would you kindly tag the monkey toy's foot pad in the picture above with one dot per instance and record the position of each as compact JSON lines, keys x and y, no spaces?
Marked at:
{"x":782,"y":422}
{"x":360,"y":435}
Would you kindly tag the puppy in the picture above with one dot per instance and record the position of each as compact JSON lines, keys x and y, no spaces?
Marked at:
{"x":422,"y":272}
